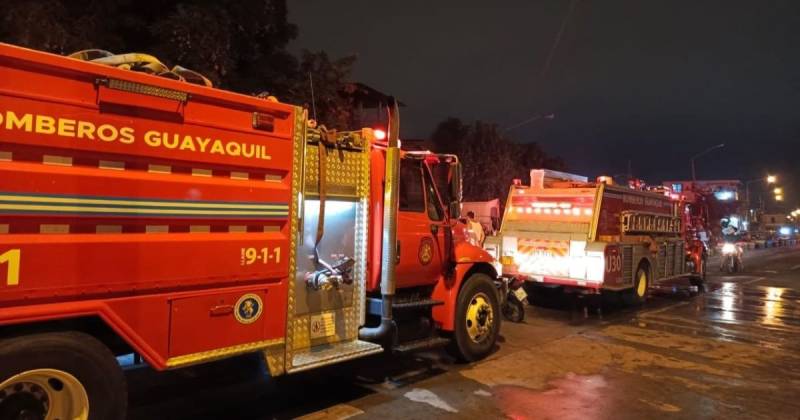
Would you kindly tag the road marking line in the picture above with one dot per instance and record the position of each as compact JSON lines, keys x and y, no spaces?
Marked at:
{"x":666,"y":308}
{"x":756,"y":280}
{"x":795,"y":267}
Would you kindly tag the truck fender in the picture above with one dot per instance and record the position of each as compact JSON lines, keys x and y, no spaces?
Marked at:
{"x":35,"y":314}
{"x":447,"y":291}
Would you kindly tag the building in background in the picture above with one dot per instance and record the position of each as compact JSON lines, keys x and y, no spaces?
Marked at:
{"x":776,"y":224}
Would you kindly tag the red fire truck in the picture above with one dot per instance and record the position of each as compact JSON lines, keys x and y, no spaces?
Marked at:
{"x":564,"y":230}
{"x":187,"y":224}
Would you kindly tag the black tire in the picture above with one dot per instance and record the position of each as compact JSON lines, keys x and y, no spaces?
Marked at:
{"x":699,"y":280}
{"x":513,"y":310}
{"x":78,"y":354}
{"x":704,"y":268}
{"x":463,"y":347}
{"x":638,"y":294}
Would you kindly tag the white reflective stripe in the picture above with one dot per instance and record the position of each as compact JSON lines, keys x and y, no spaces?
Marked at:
{"x":159,"y":169}
{"x":57,"y":160}
{"x":111,"y":164}
{"x":201,"y":172}
{"x":108,"y":229}
{"x":53,"y":228}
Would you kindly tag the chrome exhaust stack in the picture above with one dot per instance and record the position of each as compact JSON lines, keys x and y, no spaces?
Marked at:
{"x":389,"y":244}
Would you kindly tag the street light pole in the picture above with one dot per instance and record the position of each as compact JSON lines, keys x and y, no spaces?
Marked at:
{"x":694,"y":175}
{"x":530,"y":120}
{"x":770,"y":179}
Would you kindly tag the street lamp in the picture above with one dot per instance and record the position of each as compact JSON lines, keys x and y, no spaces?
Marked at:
{"x":778,"y":198}
{"x":778,"y":191}
{"x":770,"y":179}
{"x":712,"y":148}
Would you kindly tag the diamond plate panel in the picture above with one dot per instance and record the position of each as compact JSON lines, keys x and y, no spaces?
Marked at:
{"x":331,"y":354}
{"x":347,"y":177}
{"x":274,"y":356}
{"x":344,"y":172}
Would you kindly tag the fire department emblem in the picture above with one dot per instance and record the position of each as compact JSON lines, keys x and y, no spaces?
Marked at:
{"x":248,"y":308}
{"x":425,"y":251}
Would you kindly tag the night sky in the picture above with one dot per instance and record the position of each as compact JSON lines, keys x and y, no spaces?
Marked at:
{"x":653,"y":81}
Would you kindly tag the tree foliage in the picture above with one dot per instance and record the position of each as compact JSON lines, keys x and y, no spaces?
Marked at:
{"x":491,"y":160}
{"x":329,"y":78}
{"x":239,"y":45}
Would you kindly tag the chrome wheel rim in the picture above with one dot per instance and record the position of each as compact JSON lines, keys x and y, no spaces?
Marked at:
{"x":43,"y":394}
{"x":641,"y":288}
{"x":480,"y":318}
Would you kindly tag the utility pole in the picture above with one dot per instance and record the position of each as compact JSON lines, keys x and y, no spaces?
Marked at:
{"x":694,"y":174}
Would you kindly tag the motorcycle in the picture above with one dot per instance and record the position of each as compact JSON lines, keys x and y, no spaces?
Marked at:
{"x":731,"y":261}
{"x":513,"y":306}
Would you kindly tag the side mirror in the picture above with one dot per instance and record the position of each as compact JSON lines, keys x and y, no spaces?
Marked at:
{"x":455,"y":190}
{"x":455,"y":210}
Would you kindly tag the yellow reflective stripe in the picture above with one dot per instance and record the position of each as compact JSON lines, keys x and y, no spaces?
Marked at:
{"x":135,"y":203}
{"x":44,"y":207}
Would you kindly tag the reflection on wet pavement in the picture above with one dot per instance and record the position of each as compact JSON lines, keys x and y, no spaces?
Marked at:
{"x":729,"y":353}
{"x":572,"y":397}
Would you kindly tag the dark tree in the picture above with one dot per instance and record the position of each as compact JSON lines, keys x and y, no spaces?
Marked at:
{"x":60,"y":27}
{"x":449,"y":135}
{"x":239,"y":45}
{"x":491,"y":160}
{"x":334,"y":107}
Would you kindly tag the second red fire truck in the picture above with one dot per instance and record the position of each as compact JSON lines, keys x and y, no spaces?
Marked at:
{"x":189,"y":224}
{"x":564,"y":230}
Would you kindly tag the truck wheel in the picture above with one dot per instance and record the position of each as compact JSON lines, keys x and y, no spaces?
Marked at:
{"x":699,"y":280}
{"x":705,"y":267}
{"x":62,"y":375}
{"x":477,"y":321}
{"x":638,"y":295}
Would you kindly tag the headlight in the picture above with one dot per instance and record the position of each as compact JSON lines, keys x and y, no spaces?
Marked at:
{"x":728,"y":248}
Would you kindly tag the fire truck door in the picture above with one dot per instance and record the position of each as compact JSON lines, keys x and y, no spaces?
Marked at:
{"x":420,"y":229}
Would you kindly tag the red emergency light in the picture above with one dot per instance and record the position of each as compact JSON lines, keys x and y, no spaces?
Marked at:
{"x":380,"y":134}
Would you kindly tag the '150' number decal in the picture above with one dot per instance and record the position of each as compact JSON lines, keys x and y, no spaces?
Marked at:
{"x":11,"y":257}
{"x":263,"y":255}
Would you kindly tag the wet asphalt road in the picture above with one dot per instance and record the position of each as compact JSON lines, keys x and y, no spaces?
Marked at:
{"x":732,"y":352}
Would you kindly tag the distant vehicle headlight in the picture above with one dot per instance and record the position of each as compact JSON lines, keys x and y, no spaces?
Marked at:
{"x":728,"y":248}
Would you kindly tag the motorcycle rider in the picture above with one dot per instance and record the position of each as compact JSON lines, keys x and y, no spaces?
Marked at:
{"x":730,"y":235}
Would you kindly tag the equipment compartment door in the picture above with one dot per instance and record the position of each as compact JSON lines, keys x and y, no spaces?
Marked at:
{"x":215,"y":321}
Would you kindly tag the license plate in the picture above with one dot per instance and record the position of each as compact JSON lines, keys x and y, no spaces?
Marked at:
{"x":520,"y":294}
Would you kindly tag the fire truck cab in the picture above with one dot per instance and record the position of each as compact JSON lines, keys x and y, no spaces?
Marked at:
{"x":186,"y":224}
{"x":564,"y":230}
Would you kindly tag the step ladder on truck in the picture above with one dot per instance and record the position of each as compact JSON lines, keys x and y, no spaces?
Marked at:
{"x":589,"y":237}
{"x":186,"y":224}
